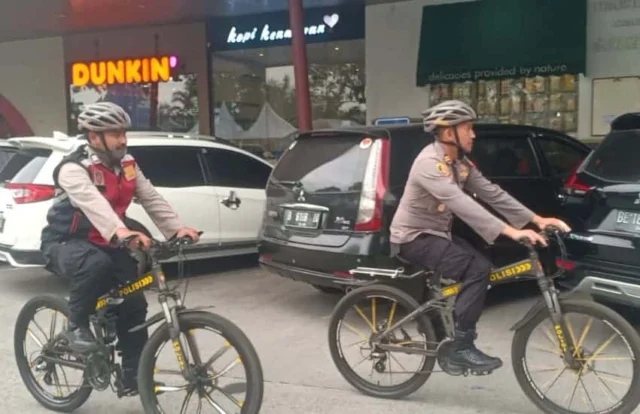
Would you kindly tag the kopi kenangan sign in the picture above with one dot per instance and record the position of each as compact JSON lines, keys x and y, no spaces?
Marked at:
{"x":273,"y":29}
{"x":269,"y":34}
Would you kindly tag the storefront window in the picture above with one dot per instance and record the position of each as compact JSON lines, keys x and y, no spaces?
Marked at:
{"x":254,"y":82}
{"x":253,"y":77}
{"x":170,"y":106}
{"x":549,"y":102}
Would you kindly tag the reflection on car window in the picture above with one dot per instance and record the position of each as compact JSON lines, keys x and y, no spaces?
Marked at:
{"x":24,"y":166}
{"x":561,"y":156}
{"x":504,"y":156}
{"x":616,"y":158}
{"x":234,"y":169}
{"x":170,"y":166}
{"x":326,"y":164}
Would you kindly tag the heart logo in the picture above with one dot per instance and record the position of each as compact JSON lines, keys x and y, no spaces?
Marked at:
{"x":332,"y":20}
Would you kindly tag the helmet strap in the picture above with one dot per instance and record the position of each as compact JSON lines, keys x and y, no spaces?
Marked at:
{"x":460,"y":150}
{"x":456,"y":143}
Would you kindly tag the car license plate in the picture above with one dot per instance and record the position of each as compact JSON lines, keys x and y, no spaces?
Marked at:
{"x":628,"y":221}
{"x":1,"y":224}
{"x":302,"y":219}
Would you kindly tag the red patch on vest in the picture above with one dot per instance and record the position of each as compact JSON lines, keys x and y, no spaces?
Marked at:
{"x":118,"y":192}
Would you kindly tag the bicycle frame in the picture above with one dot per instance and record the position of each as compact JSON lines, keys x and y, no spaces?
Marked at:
{"x":445,"y":297}
{"x":169,"y":312}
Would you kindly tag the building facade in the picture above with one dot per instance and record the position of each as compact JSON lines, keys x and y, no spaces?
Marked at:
{"x":571,"y":66}
{"x":577,"y":97}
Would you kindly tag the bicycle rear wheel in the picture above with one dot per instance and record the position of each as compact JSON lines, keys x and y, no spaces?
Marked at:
{"x":27,"y":330}
{"x":208,"y":381}
{"x":383,"y":362}
{"x":619,"y":345}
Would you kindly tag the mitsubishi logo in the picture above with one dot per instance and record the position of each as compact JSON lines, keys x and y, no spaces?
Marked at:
{"x":301,"y":196}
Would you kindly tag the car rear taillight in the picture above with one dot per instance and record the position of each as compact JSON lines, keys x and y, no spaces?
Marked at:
{"x":565,"y":264}
{"x":30,"y":193}
{"x":573,"y":186}
{"x":343,"y":274}
{"x":374,"y":187}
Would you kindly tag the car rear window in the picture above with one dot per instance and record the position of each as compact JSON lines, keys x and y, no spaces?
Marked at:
{"x":616,"y":158}
{"x":24,"y":166}
{"x":325,"y":164}
{"x":6,"y":153}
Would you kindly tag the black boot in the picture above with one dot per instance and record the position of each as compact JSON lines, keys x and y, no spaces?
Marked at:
{"x":80,"y":338}
{"x":129,"y":382}
{"x":129,"y":385}
{"x":463,"y":354}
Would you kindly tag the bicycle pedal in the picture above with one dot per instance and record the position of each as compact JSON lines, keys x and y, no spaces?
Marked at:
{"x":480,"y":373}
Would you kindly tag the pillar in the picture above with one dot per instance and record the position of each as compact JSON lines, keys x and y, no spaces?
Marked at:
{"x":300,"y":66}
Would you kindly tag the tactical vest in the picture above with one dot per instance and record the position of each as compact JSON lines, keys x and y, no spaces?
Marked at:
{"x":64,"y":221}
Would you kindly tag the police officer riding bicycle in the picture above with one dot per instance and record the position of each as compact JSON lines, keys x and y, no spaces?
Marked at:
{"x":95,"y":186}
{"x":421,"y":227}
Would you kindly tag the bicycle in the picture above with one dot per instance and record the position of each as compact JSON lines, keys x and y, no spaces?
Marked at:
{"x":388,"y":336}
{"x":100,"y":369}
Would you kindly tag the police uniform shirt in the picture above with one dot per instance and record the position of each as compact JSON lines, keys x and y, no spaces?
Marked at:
{"x":434,"y":193}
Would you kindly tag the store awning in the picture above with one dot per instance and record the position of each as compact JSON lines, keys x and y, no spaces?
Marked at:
{"x":496,"y":39}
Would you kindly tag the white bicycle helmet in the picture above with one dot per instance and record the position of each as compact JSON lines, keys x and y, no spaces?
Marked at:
{"x":103,"y":116}
{"x":446,"y":114}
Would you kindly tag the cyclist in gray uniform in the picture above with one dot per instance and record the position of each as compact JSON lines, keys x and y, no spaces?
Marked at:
{"x":421,"y":227}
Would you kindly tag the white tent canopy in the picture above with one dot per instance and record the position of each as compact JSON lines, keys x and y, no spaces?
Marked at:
{"x":268,"y":125}
{"x":225,"y":126}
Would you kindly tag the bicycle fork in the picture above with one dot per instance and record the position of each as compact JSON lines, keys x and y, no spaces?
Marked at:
{"x":171,"y":316}
{"x":552,"y":302}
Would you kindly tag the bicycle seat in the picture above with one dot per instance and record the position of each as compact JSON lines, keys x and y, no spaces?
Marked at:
{"x":433,"y":278}
{"x":409,"y":266}
{"x":402,"y":261}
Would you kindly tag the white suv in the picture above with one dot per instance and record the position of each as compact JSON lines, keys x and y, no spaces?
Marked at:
{"x":213,"y":186}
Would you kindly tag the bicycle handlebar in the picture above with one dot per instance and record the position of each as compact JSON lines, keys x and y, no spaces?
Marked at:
{"x":158,"y":246}
{"x":557,"y":233}
{"x":548,"y":231}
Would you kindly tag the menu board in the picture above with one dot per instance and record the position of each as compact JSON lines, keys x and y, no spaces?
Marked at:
{"x":549,"y":102}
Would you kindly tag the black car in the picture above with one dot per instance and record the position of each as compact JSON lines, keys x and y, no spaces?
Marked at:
{"x":604,"y":253}
{"x":333,"y":193}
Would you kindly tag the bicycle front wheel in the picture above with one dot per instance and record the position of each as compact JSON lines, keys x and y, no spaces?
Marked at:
{"x":606,"y":375}
{"x":216,"y":381}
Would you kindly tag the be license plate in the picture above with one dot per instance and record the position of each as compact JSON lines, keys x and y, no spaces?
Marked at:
{"x":1,"y":224}
{"x":302,"y":219}
{"x":628,"y":221}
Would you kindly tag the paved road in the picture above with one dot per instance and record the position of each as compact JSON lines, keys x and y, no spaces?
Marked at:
{"x":287,"y":323}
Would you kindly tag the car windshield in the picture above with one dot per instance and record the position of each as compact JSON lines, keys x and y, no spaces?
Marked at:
{"x":616,"y":158}
{"x":323,"y":164}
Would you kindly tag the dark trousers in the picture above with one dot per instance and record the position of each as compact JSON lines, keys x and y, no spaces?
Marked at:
{"x":456,"y":260}
{"x":92,"y":272}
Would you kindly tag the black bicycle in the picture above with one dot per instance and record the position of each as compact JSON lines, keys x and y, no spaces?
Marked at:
{"x":99,"y":370}
{"x":548,"y":331}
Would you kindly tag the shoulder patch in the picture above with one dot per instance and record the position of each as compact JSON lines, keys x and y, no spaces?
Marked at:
{"x":464,"y":171}
{"x":443,"y":168}
{"x":129,"y":172}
